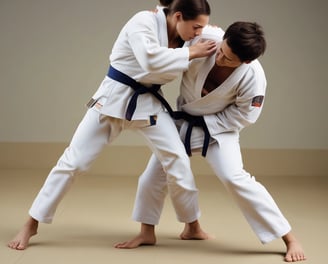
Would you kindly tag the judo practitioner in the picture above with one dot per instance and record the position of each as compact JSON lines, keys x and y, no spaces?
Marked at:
{"x":226,"y":91}
{"x":148,"y":52}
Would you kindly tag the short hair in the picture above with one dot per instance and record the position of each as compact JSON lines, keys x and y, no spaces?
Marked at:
{"x":246,"y":40}
{"x":165,"y":2}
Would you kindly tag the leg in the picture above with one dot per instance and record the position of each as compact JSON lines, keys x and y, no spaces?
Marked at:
{"x":148,"y":205}
{"x":164,"y":140}
{"x":254,"y":200}
{"x":151,"y":193}
{"x":89,"y":139}
{"x":168,"y":168}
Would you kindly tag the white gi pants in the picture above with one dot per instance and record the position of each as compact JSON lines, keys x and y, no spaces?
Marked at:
{"x":96,"y":131}
{"x":225,"y":159}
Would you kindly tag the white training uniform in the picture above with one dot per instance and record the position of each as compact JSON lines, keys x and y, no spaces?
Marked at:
{"x":140,"y":52}
{"x":235,"y":104}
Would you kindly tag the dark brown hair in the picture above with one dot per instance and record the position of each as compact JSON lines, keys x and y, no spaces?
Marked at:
{"x":190,"y":9}
{"x":165,"y":2}
{"x":246,"y":40}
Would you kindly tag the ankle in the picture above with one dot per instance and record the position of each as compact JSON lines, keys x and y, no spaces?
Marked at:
{"x":147,"y":229}
{"x":193,"y":226}
{"x":289,"y":238}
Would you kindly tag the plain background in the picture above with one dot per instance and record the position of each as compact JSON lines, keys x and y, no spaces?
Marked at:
{"x":54,"y":54}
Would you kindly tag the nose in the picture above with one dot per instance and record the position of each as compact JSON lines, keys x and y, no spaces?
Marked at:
{"x":198,"y":32}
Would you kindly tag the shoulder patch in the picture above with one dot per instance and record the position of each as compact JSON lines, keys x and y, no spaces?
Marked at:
{"x":257,"y":101}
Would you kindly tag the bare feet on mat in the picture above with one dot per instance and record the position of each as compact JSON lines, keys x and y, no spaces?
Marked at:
{"x":193,"y":231}
{"x":21,"y":240}
{"x":145,"y":237}
{"x":138,"y":241}
{"x":295,"y":251}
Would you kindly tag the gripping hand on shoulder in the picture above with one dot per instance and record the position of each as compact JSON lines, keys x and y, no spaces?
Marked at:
{"x":202,"y":49}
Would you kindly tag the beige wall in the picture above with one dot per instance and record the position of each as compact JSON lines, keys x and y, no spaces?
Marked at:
{"x":132,"y":160}
{"x":55,"y":53}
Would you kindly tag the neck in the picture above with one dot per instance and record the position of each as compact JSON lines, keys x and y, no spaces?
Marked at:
{"x":224,"y":68}
{"x":173,"y":37}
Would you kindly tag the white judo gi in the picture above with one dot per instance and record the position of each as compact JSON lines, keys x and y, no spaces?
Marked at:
{"x":140,"y":52}
{"x":235,"y":104}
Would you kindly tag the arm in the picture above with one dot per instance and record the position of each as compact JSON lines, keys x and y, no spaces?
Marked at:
{"x":246,"y":108}
{"x":154,"y":58}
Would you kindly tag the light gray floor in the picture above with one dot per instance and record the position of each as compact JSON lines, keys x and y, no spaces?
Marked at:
{"x":96,"y":214}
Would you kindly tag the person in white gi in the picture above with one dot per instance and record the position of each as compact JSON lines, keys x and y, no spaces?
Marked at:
{"x":148,"y":50}
{"x":227,"y":90}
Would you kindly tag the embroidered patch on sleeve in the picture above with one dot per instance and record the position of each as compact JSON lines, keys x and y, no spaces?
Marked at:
{"x":152,"y":120}
{"x":257,"y":101}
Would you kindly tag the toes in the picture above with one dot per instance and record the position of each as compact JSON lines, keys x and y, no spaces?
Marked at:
{"x":121,"y":245}
{"x":13,"y":245}
{"x":295,"y":258}
{"x":118,"y":245}
{"x":20,"y":247}
{"x":10,"y":245}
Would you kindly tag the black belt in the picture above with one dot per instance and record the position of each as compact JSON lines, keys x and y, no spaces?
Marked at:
{"x":138,"y":88}
{"x":194,"y":121}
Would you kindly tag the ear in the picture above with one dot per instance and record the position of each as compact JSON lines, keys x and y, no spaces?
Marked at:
{"x":178,"y":16}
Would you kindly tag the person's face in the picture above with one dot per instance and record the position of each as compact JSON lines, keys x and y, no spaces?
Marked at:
{"x":225,"y":57}
{"x":189,"y":29}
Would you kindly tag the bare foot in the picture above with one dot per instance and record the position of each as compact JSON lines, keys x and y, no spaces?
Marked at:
{"x":145,"y":237}
{"x":21,"y":240}
{"x":295,"y":251}
{"x":193,"y":231}
{"x":138,"y":241}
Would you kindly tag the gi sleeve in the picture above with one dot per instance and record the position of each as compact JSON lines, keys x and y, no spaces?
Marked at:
{"x":244,"y":111}
{"x":153,"y":58}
